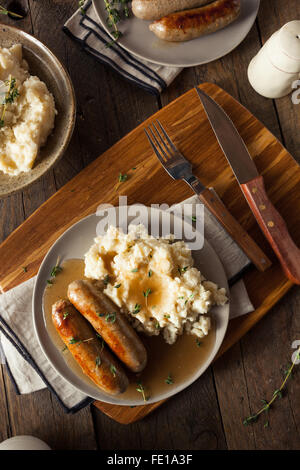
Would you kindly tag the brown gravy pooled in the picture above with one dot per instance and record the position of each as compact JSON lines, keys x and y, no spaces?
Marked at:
{"x":180,"y":361}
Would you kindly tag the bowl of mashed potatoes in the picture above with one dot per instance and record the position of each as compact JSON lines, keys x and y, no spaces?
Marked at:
{"x":37,"y":110}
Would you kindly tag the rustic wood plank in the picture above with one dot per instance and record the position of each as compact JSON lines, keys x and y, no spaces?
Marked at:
{"x":231,"y":385}
{"x":190,"y":420}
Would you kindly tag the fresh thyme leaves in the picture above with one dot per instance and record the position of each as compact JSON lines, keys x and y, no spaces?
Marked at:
{"x":49,"y":282}
{"x":111,"y":317}
{"x":74,"y":341}
{"x":106,"y":280}
{"x":150,"y":272}
{"x":169,"y":380}
{"x":4,"y":11}
{"x":66,"y":314}
{"x":56,"y":270}
{"x":79,"y":341}
{"x":117,"y":286}
{"x":137,"y":309}
{"x":80,"y":5}
{"x":101,"y":314}
{"x":24,"y":269}
{"x":141,"y":389}
{"x":122,"y":178}
{"x":64,"y":348}
{"x":199,"y":343}
{"x":166,"y":317}
{"x":182,"y":270}
{"x":157,"y":325}
{"x":10,"y":96}
{"x":114,"y":16}
{"x":277,"y":394}
{"x":147,"y":292}
{"x":98,"y":361}
{"x":194,"y":219}
{"x":113,"y":370}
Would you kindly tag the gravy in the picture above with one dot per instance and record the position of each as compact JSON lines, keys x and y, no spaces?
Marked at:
{"x":178,"y":361}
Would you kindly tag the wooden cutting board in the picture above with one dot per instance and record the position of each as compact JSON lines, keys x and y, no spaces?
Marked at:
{"x":187,"y":124}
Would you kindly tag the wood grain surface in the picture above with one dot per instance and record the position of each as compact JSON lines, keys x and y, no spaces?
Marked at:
{"x":189,"y":128}
{"x":208,"y":415}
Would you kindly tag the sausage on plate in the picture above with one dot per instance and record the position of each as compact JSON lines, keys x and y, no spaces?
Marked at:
{"x":109,"y":322}
{"x":190,"y":24}
{"x":155,"y":9}
{"x":88,"y":351}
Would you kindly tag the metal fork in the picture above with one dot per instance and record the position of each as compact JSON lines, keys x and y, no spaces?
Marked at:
{"x":178,"y":168}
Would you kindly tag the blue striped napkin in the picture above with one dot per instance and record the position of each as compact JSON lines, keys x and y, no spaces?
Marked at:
{"x":86,"y":30}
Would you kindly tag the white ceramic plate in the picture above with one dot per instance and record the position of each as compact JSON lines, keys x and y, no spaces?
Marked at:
{"x":138,"y":39}
{"x":74,"y":243}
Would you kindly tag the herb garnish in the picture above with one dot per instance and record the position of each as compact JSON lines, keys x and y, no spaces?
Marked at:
{"x":100,"y":314}
{"x":66,"y":314}
{"x":141,"y":389}
{"x":194,"y":218}
{"x":74,"y":341}
{"x":106,"y":280}
{"x":147,"y":292}
{"x":113,"y":370}
{"x":134,"y":270}
{"x":157,"y":325}
{"x":80,"y":5}
{"x":122,"y":178}
{"x":199,"y":343}
{"x":114,"y":16}
{"x":56,"y":270}
{"x":277,"y":394}
{"x":98,"y":361}
{"x":24,"y":269}
{"x":150,"y":272}
{"x":4,"y":11}
{"x":167,"y":316}
{"x":49,"y":282}
{"x":117,"y":286}
{"x":169,"y":380}
{"x":111,"y":317}
{"x":10,"y":96}
{"x":137,"y":309}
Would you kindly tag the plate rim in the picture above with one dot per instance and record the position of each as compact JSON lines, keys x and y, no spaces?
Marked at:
{"x":171,"y":64}
{"x":106,"y":398}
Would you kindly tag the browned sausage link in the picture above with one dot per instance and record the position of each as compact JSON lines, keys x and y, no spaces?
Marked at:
{"x":90,"y":353}
{"x":107,"y":320}
{"x":155,"y":9}
{"x":189,"y":24}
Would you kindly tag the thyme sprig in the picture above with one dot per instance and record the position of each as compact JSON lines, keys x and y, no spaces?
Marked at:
{"x":141,"y":389}
{"x":114,"y":16}
{"x":10,"y":96}
{"x":4,"y":11}
{"x":278,"y":394}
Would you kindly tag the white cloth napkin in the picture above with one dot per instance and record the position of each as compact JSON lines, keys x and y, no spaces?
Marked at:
{"x":86,"y":30}
{"x":29,"y":368}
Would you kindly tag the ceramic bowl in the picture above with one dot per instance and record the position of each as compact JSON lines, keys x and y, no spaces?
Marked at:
{"x":43,"y":63}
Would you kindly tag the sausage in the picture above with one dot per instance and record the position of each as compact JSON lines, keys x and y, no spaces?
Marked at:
{"x":155,"y":9}
{"x":190,"y":24}
{"x":107,"y":320}
{"x":93,"y":357}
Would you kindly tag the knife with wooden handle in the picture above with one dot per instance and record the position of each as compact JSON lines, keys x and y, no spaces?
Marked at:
{"x":252,"y":185}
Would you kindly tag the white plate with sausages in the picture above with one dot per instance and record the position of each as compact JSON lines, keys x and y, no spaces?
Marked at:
{"x":184,"y":359}
{"x":143,"y":43}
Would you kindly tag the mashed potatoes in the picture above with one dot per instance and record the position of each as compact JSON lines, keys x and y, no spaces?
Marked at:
{"x":154,"y":282}
{"x":29,"y":119}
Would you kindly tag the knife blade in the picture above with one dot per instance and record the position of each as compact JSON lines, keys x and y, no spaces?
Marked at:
{"x":252,"y":186}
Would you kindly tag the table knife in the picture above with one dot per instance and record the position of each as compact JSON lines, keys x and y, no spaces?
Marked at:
{"x":252,"y":186}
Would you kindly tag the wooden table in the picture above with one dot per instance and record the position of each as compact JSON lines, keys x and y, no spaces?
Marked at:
{"x":208,"y":415}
